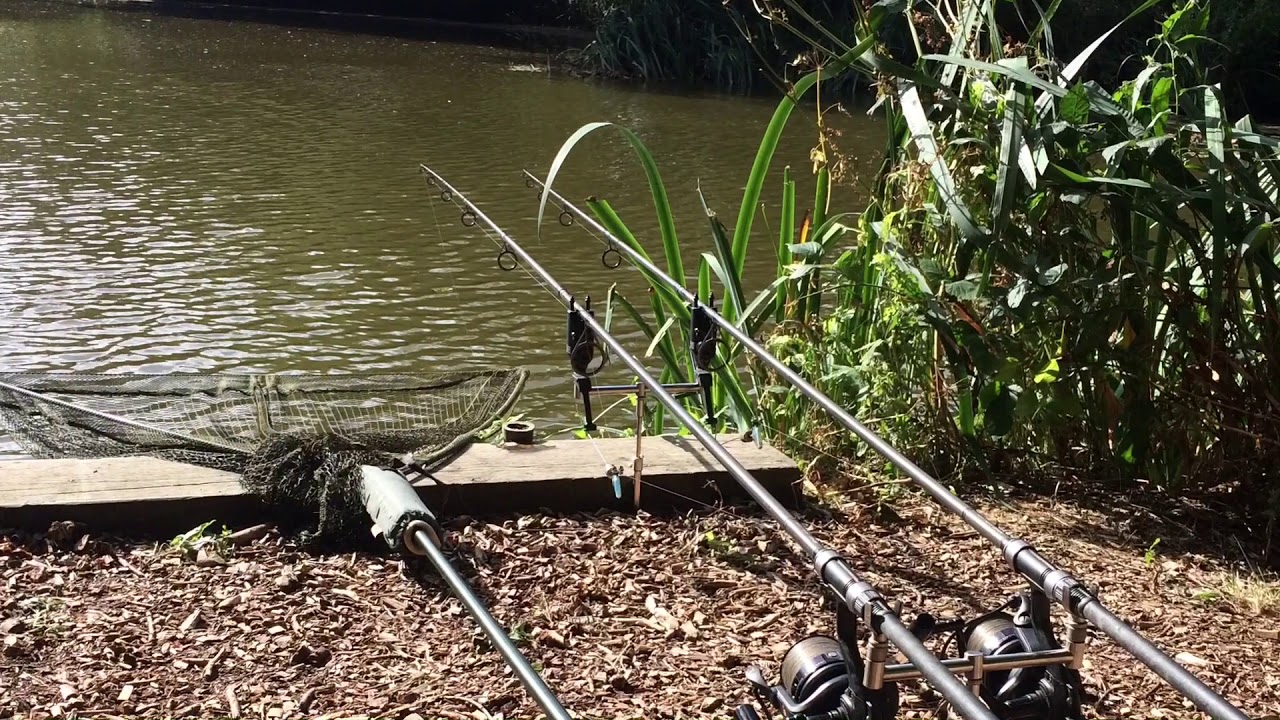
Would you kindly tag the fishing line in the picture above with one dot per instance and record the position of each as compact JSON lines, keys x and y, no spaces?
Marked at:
{"x":467,"y":212}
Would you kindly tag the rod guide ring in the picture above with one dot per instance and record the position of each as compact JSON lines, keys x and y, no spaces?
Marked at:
{"x":611,"y":252}
{"x":507,"y":259}
{"x":468,"y":218}
{"x":566,"y":218}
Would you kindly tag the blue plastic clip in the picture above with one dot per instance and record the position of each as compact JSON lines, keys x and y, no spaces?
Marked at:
{"x":615,"y":475}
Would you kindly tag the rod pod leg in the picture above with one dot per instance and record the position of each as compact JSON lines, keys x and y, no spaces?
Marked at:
{"x":861,"y":702}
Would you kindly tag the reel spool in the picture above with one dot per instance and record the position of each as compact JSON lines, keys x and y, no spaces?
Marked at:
{"x":821,"y":677}
{"x":822,"y":680}
{"x":1025,"y":693}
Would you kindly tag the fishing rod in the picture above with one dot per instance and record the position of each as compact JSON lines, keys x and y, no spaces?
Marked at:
{"x":859,"y":600}
{"x":1059,"y":585}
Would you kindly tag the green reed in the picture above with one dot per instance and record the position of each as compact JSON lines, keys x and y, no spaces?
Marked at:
{"x":1049,"y":273}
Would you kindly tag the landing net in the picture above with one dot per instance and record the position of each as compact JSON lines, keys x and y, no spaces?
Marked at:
{"x":296,"y":439}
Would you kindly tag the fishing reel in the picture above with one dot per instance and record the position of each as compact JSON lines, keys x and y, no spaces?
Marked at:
{"x":1009,"y":657}
{"x":823,"y":679}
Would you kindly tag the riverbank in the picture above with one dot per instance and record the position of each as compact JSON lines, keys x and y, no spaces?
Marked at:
{"x":702,"y":42}
{"x":537,"y":38}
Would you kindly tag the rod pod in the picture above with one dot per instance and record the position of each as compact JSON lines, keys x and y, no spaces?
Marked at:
{"x":856,"y":594}
{"x":1059,"y":585}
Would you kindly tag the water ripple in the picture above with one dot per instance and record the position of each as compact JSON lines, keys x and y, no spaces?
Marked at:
{"x":186,"y":195}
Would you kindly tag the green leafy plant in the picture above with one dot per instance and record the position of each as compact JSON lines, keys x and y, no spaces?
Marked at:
{"x":1063,"y":272}
{"x":1150,"y":556}
{"x":1049,"y":273}
{"x":189,"y":543}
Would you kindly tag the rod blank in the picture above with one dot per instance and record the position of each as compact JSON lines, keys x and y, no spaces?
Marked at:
{"x":496,"y":634}
{"x":857,"y":594}
{"x":1057,"y":584}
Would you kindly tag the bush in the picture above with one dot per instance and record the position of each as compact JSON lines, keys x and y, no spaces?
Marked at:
{"x":1062,"y":273}
{"x":1050,"y":274}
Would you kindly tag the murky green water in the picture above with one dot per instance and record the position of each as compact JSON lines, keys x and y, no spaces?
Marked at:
{"x":197,"y":195}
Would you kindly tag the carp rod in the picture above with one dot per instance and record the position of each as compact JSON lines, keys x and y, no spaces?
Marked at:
{"x":1057,"y":584}
{"x":859,"y":596}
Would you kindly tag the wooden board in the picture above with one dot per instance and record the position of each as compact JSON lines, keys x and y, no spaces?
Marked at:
{"x":147,"y":495}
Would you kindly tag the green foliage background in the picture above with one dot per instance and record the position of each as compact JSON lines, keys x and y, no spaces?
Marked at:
{"x":1053,"y":277}
{"x":705,"y":41}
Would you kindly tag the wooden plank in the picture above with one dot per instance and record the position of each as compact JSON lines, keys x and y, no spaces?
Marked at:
{"x":142,"y":495}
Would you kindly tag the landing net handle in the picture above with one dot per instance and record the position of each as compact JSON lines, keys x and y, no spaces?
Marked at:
{"x":856,"y":594}
{"x":1059,"y":585}
{"x":406,"y":524}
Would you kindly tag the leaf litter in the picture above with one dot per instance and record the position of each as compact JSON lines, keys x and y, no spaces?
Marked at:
{"x":626,"y":616}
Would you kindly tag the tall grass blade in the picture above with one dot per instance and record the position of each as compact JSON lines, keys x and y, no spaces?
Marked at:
{"x":973,"y":11}
{"x":662,"y":206}
{"x":724,"y":265}
{"x":927,"y":147}
{"x":1007,"y":171}
{"x":786,"y":235}
{"x":1216,"y":140}
{"x":810,"y":292}
{"x":1077,"y":63}
{"x":769,"y":146}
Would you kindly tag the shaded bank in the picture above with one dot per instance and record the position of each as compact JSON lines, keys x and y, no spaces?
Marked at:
{"x":724,"y":45}
{"x":539,"y":31}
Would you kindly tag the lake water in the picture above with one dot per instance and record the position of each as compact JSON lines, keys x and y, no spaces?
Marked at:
{"x":182,"y":195}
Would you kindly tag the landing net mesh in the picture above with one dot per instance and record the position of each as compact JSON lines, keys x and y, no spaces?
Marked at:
{"x":294,"y":439}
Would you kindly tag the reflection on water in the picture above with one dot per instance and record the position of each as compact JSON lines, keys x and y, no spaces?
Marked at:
{"x":190,"y":195}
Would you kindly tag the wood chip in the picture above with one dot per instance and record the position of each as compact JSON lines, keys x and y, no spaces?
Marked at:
{"x":191,"y":621}
{"x":128,"y":566}
{"x":304,"y":702}
{"x":249,"y":534}
{"x":1188,"y":659}
{"x":389,"y":634}
{"x":211,"y":667}
{"x":233,"y":705}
